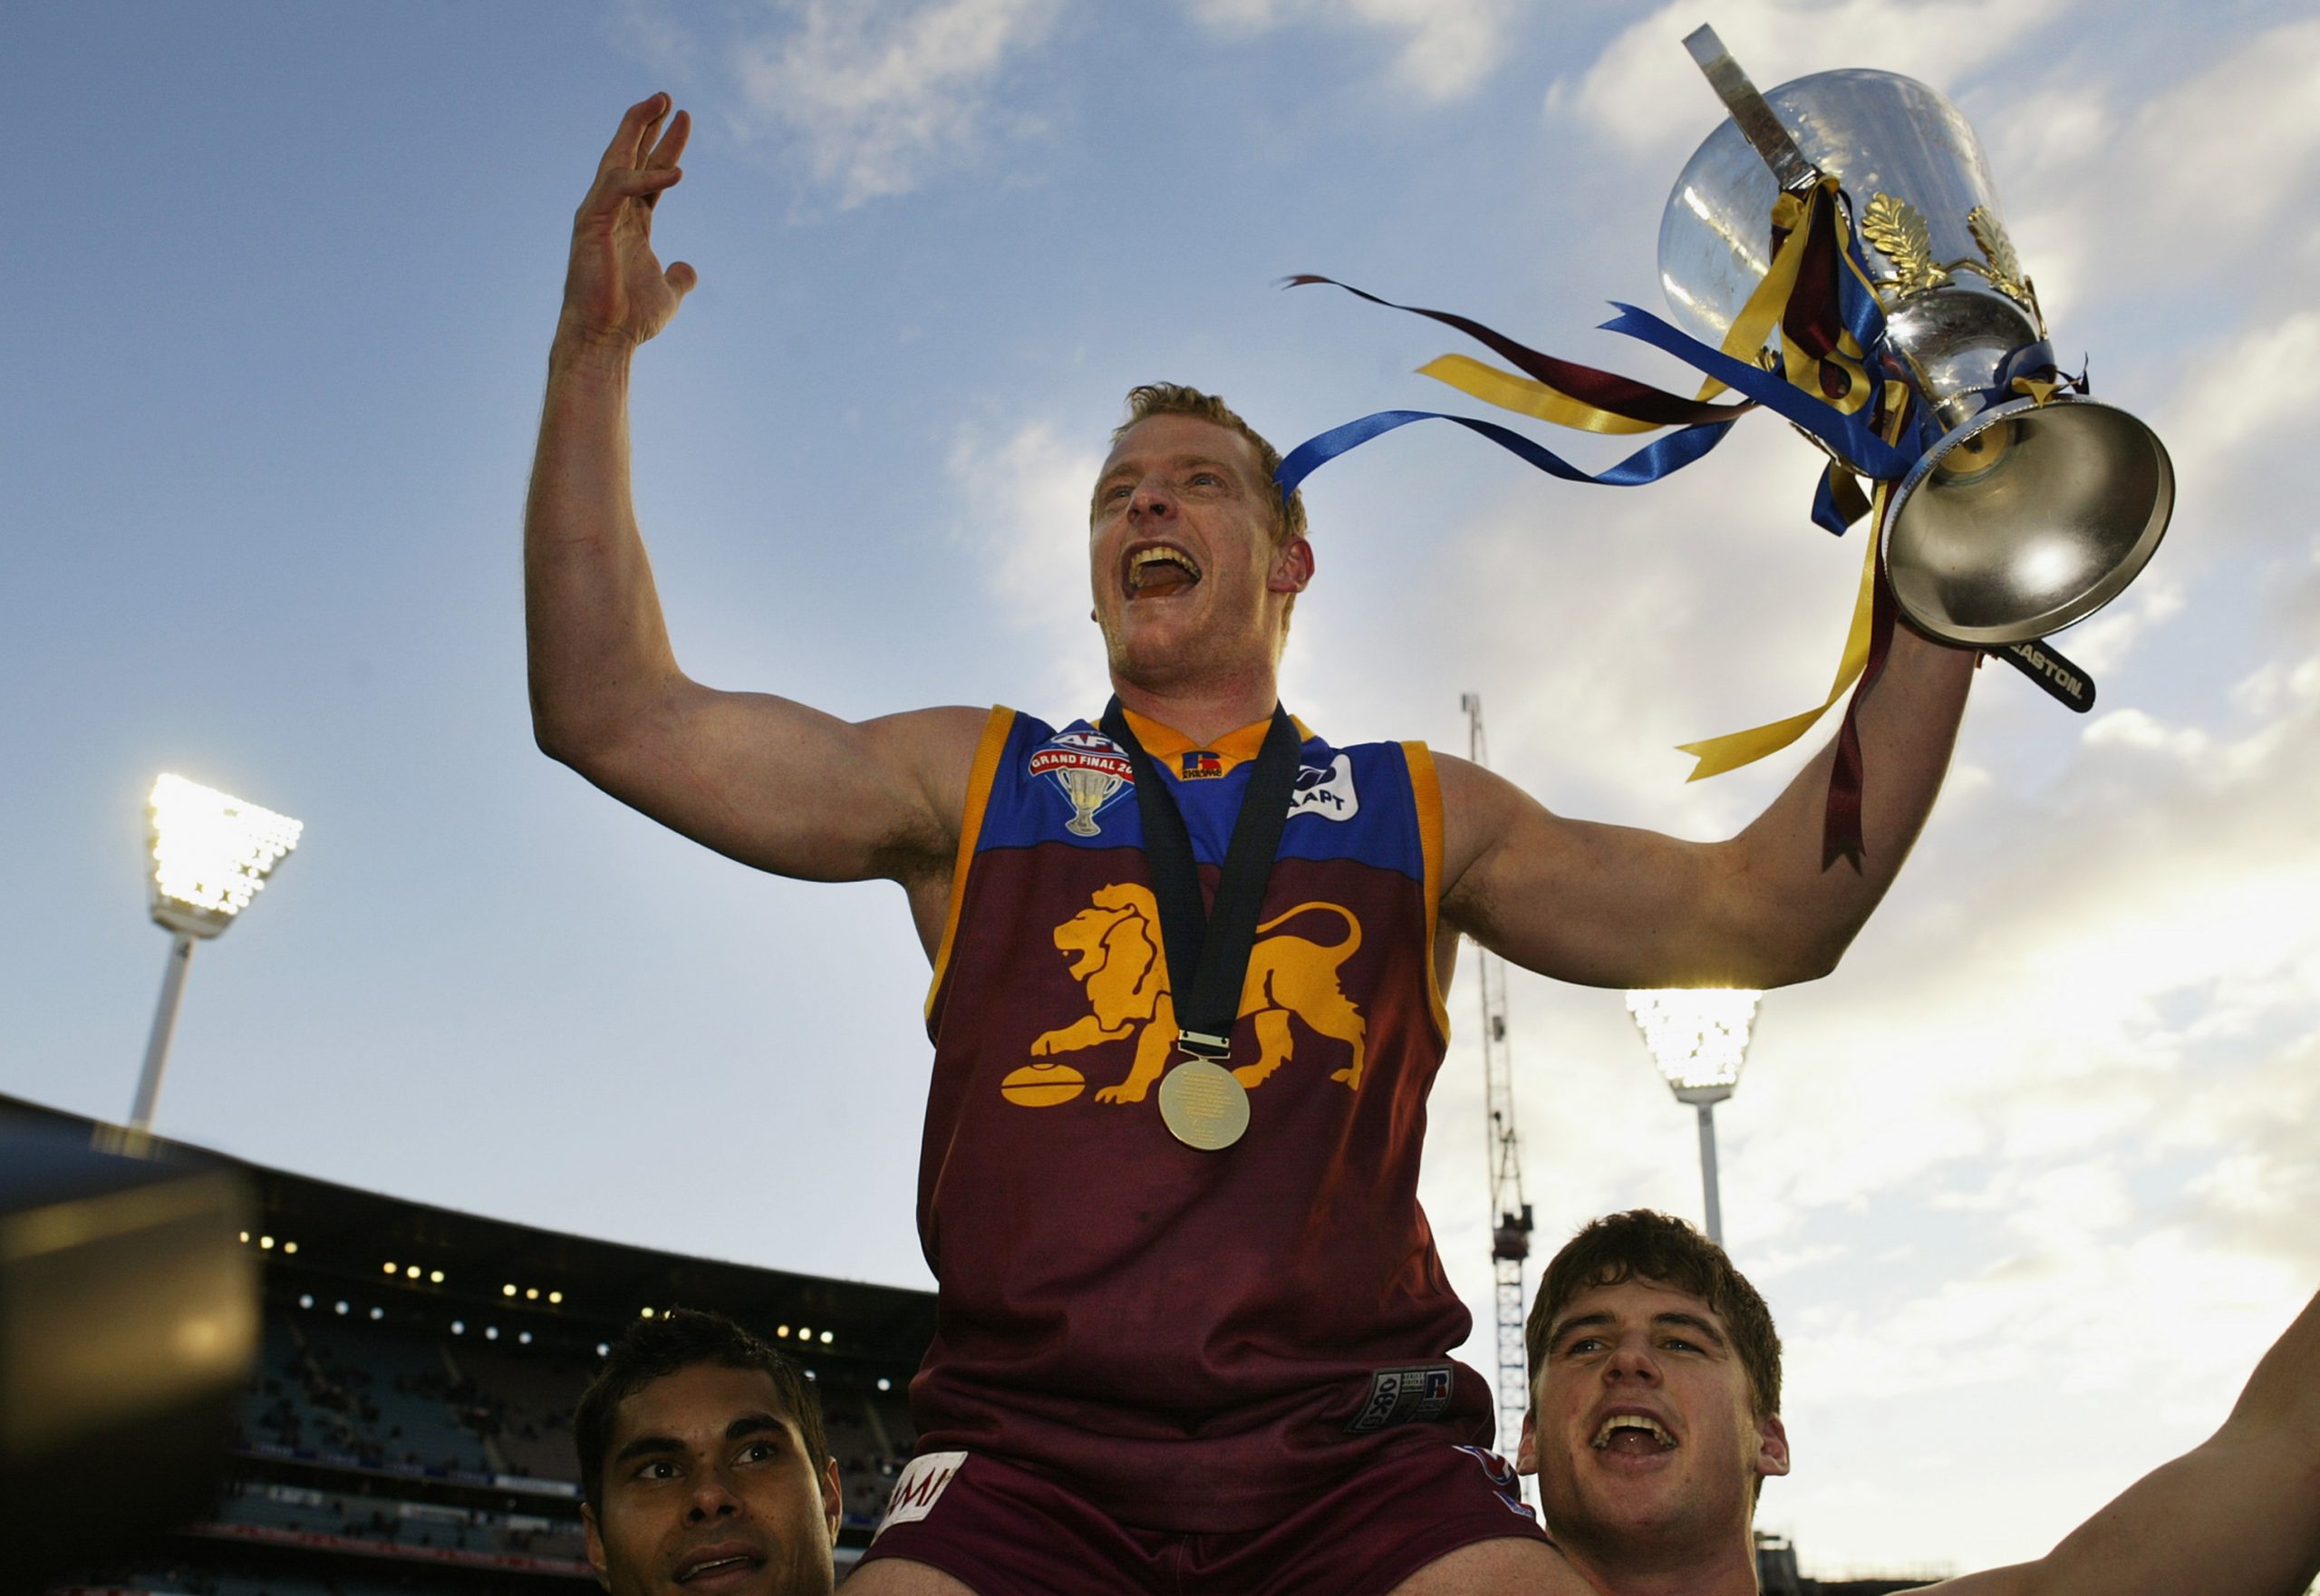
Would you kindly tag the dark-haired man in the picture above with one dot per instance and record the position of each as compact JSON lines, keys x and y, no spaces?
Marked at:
{"x":703,"y":1466}
{"x":1655,"y":1421}
{"x":1199,"y":1339}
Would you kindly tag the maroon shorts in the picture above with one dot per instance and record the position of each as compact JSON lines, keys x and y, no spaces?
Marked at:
{"x":1005,"y":1532}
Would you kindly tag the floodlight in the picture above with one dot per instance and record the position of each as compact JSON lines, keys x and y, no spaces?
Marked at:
{"x":211,"y":855}
{"x":1698,"y":1036}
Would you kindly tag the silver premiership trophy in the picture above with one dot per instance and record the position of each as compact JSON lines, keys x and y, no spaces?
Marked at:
{"x":2038,"y":505}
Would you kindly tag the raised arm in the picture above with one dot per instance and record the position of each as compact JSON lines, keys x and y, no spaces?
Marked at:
{"x":2237,"y":1515}
{"x":1609,"y":905}
{"x":769,"y":782}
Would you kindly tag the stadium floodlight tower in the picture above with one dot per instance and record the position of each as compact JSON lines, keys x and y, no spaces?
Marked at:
{"x":212,"y":856}
{"x":1698,"y":1036}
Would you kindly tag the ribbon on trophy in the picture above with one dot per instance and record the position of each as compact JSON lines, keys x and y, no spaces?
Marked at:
{"x":1817,"y":295}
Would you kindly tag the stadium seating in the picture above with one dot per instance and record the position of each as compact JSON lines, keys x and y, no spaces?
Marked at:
{"x":529,"y":1402}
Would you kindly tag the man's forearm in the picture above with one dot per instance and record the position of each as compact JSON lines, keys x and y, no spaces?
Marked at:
{"x":1907,"y":724}
{"x":594,"y":636}
{"x":2239,"y":1515}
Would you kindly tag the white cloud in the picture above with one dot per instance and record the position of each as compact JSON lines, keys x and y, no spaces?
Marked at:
{"x":881,"y":96}
{"x":1024,"y":501}
{"x":651,"y":32}
{"x":1448,"y":46}
{"x":2245,"y":394}
{"x":1644,"y":93}
{"x":2113,"y":189}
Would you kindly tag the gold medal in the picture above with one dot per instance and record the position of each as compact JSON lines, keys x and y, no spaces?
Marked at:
{"x":1203,"y":1106}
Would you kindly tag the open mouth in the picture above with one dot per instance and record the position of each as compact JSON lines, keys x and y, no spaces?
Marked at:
{"x":1158,"y":570}
{"x":1637,"y":1434}
{"x":716,"y":1568}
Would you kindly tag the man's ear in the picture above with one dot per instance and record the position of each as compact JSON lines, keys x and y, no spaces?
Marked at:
{"x":596,"y":1539}
{"x":1292,"y":567}
{"x":1527,"y":1455}
{"x":833,"y":1498}
{"x":1771,"y":1447}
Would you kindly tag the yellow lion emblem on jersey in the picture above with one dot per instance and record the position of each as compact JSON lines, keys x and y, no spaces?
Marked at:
{"x":1116,"y":948}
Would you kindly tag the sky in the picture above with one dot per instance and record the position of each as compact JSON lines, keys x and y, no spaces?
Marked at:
{"x":2028,"y":1181}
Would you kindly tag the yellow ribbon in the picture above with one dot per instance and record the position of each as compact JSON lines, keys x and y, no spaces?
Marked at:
{"x":1751,"y":332}
{"x":1751,"y":329}
{"x":1716,"y":755}
{"x":1529,"y":396}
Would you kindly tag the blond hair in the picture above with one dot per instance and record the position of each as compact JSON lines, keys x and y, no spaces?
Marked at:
{"x":1174,"y":398}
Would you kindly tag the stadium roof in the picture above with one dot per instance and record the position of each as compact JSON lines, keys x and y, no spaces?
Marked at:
{"x":575,"y":1287}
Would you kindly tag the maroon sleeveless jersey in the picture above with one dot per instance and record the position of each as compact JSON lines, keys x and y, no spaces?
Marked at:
{"x":1195,"y":1342}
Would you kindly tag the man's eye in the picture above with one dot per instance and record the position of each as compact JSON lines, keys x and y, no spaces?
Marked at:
{"x":1680,"y":1344}
{"x":758,"y":1451}
{"x":1583,"y":1344}
{"x":1206,"y":479}
{"x":660,"y":1468}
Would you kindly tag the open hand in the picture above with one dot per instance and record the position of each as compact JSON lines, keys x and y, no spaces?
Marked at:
{"x":616,"y":291}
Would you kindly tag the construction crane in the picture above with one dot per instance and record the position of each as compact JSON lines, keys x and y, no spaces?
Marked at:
{"x":1510,"y":1238}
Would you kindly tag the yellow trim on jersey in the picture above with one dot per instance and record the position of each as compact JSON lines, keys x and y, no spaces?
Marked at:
{"x":1168,"y":746}
{"x":979,"y":776}
{"x":1426,"y":787}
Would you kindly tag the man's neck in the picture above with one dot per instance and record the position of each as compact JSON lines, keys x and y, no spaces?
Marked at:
{"x":1727,"y":1569}
{"x":1204,"y":713}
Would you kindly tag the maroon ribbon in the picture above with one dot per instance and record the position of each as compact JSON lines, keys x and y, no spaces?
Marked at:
{"x":1810,"y":317}
{"x":1840,"y":837}
{"x":1622,"y":396}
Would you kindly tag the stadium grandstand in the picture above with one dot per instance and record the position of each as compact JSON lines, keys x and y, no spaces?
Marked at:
{"x":408,"y":1427}
{"x":407,"y":1430}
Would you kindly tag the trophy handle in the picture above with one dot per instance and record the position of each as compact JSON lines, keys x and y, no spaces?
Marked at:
{"x":1755,"y":118}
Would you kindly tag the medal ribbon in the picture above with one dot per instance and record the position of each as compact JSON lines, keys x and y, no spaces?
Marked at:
{"x":1205,"y":973}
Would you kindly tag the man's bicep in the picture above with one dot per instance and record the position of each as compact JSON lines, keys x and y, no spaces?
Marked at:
{"x":1595,"y":904}
{"x":793,"y":791}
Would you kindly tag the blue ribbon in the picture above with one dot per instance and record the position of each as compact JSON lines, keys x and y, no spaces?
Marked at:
{"x":1857,"y":307}
{"x":1825,"y":513}
{"x":1850,"y":437}
{"x":1659,"y":458}
{"x":1853,"y":438}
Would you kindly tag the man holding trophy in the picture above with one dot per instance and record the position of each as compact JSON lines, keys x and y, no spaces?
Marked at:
{"x":1188,"y":967}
